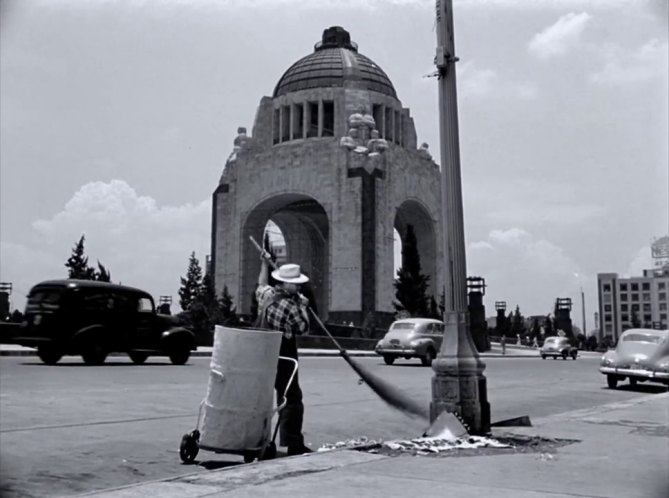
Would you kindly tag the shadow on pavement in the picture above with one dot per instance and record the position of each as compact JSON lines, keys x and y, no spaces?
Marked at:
{"x":105,"y":364}
{"x":216,"y":464}
{"x":640,"y":388}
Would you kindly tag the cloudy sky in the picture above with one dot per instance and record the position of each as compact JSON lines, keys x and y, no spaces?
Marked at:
{"x":117,"y":117}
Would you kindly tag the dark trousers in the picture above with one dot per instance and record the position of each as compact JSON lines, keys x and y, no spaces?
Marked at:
{"x":292,"y":415}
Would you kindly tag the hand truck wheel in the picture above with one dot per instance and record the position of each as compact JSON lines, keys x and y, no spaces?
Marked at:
{"x":189,"y":448}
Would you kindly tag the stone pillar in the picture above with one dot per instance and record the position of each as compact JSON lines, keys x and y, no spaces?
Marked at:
{"x":458,"y":384}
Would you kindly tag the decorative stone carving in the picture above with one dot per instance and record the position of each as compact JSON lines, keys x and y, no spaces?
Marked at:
{"x":363,"y":137}
{"x":423,"y":151}
{"x":238,"y":144}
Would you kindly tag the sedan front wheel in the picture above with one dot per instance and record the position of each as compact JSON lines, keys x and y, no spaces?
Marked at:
{"x":612,"y":381}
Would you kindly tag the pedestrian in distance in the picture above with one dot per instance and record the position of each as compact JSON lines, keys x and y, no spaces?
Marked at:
{"x":281,"y":307}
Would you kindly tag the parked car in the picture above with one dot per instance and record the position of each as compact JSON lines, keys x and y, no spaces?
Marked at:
{"x":412,"y":338}
{"x":94,"y":319}
{"x":557,"y":346}
{"x":641,"y":355}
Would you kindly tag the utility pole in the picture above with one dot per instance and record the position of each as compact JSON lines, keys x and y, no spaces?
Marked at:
{"x":585,"y":332}
{"x":458,"y":384}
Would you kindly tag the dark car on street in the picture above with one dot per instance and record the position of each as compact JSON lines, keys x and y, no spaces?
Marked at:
{"x":93,"y":319}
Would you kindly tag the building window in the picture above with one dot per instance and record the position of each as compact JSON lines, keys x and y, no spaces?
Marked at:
{"x":635,"y":297}
{"x":328,"y":118}
{"x":623,"y":297}
{"x":623,"y":307}
{"x":663,"y":316}
{"x":635,"y":287}
{"x":377,"y":113}
{"x":646,"y":307}
{"x":285,"y":123}
{"x":645,"y":286}
{"x":662,"y":296}
{"x":398,"y":121}
{"x":647,"y":318}
{"x":607,"y":307}
{"x":623,"y":287}
{"x":646,"y":296}
{"x":625,"y":317}
{"x":312,"y":119}
{"x":298,"y":120}
{"x":607,"y":287}
{"x":635,"y":307}
{"x":661,"y":285}
{"x":389,"y":125}
{"x":663,"y":306}
{"x":277,"y":126}
{"x":607,"y":318}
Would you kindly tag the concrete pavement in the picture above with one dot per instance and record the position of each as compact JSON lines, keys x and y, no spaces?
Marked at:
{"x":617,"y":450}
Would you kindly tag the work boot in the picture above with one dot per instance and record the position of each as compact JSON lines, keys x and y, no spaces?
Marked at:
{"x":299,"y":450}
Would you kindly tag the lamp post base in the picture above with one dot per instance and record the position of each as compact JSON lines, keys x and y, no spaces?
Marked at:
{"x":458,"y":384}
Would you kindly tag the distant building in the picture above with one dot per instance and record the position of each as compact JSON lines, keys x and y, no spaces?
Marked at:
{"x":632,"y":302}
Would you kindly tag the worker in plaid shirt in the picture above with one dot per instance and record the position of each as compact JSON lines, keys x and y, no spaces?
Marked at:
{"x":281,"y":307}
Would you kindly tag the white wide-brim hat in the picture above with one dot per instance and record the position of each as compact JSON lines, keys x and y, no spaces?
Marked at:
{"x":290,"y":273}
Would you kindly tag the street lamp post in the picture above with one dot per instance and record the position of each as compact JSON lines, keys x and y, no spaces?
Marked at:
{"x":458,"y":384}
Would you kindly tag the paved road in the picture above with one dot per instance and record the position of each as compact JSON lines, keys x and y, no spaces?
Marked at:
{"x":71,"y":428}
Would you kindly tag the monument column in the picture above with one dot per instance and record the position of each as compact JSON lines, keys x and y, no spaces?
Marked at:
{"x":458,"y":385}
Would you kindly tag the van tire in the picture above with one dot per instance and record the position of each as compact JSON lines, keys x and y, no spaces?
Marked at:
{"x":94,"y":354}
{"x":138,"y":357}
{"x":179,"y":356}
{"x":49,"y":355}
{"x":388,"y":359}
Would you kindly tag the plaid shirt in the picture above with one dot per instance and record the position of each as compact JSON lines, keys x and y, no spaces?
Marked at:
{"x":287,"y":312}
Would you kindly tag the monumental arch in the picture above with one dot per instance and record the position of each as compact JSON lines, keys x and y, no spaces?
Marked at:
{"x":333,"y":161}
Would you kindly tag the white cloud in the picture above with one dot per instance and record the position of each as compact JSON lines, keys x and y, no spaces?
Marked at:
{"x":141,"y":243}
{"x":640,"y":261}
{"x":622,"y":66}
{"x":474,"y":81}
{"x":560,"y":37}
{"x":528,"y":272}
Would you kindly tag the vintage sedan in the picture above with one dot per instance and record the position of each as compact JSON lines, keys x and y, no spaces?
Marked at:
{"x":412,"y":338}
{"x":641,"y":355}
{"x":557,"y":347}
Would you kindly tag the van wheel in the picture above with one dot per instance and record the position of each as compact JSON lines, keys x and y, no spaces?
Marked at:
{"x":49,"y":355}
{"x":180,"y":357}
{"x":137,"y":357}
{"x":564,"y":355}
{"x":633,"y":381}
{"x":427,"y":359}
{"x":388,"y":359}
{"x":94,"y":354}
{"x":543,"y":356}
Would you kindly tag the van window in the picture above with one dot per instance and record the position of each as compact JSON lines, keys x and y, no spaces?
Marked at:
{"x":145,"y":304}
{"x":97,"y":301}
{"x":46,"y":299}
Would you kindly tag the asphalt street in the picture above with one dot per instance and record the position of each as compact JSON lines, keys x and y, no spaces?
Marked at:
{"x":72,"y":428}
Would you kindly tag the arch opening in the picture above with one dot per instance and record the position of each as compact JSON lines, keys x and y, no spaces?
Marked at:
{"x":300,"y":228}
{"x":413,"y":213}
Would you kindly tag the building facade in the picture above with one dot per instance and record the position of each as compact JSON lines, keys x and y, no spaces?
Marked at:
{"x":632,"y":302}
{"x":333,"y":162}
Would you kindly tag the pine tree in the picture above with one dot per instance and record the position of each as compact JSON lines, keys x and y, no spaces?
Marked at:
{"x":102,"y":275}
{"x":411,"y":285}
{"x":517,"y":323}
{"x":77,"y":263}
{"x":190,"y":286}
